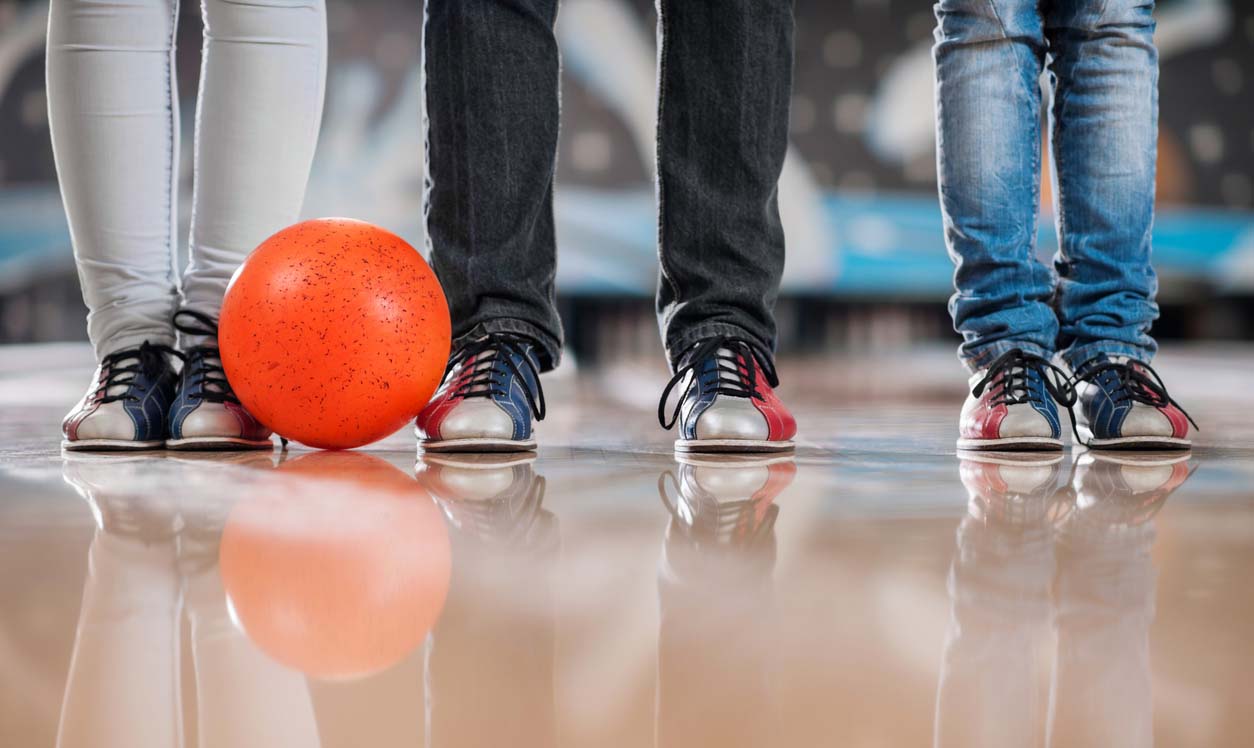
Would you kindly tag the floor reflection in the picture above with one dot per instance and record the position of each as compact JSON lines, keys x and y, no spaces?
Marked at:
{"x":472,"y":601}
{"x":715,"y":588}
{"x":1052,"y":593}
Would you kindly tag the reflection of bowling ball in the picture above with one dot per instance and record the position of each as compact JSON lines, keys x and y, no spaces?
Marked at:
{"x":342,"y":577}
{"x":334,"y":333}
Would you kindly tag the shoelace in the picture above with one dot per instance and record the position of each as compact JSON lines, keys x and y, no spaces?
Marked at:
{"x":483,"y":378}
{"x":149,"y":360}
{"x":734,"y":380}
{"x":204,"y":361}
{"x":1134,"y":382}
{"x":1009,"y":375}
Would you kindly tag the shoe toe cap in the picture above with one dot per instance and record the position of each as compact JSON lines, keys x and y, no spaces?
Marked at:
{"x":1146,"y":420}
{"x":107,"y":422}
{"x":1025,"y":421}
{"x":732,"y":418}
{"x":477,"y":419}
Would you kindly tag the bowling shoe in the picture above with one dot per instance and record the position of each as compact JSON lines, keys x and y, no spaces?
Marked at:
{"x":1013,"y":405}
{"x":127,"y":403}
{"x":490,"y":396}
{"x":206,"y":414}
{"x":1123,"y":404}
{"x":727,"y":403}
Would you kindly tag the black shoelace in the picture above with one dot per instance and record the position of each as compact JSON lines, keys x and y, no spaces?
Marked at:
{"x":204,"y":361}
{"x":1008,"y":375}
{"x":734,"y":379}
{"x":1134,"y":382}
{"x":149,"y":360}
{"x":483,"y":378}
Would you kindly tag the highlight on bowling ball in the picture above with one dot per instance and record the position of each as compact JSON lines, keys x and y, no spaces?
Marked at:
{"x":343,"y":580}
{"x":334,"y":333}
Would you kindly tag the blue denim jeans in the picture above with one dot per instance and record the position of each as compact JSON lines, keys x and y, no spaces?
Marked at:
{"x":1103,"y":129}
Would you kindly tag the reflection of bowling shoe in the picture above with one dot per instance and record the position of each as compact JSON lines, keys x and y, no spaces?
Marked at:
{"x":1123,"y":404}
{"x":122,"y":496}
{"x":727,"y":403}
{"x":206,"y":414}
{"x":726,"y":500}
{"x":1013,"y":405}
{"x":489,"y":397}
{"x":1120,"y":492}
{"x":125,"y":407}
{"x":1013,"y":489}
{"x":495,"y":499}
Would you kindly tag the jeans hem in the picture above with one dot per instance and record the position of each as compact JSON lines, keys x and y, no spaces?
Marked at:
{"x":549,"y":348}
{"x":678,"y":345}
{"x":1076,"y":356}
{"x":990,"y":352}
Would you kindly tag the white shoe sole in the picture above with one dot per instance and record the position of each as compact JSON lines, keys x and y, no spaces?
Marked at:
{"x":216,"y":444}
{"x":110,"y":445}
{"x":732,"y":445}
{"x":1012,"y":444}
{"x":1141,"y":442}
{"x":478,"y":444}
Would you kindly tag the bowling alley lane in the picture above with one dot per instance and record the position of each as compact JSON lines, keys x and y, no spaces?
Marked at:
{"x":877,"y":588}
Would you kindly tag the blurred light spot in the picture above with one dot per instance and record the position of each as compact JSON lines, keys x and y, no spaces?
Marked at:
{"x":856,"y":181}
{"x":35,"y":110}
{"x":842,"y":49}
{"x":874,"y":235}
{"x":395,"y":50}
{"x":1237,"y":190}
{"x":921,"y":169}
{"x":849,"y":113}
{"x":1207,"y":143}
{"x":591,"y":151}
{"x":1227,"y":76}
{"x":803,"y":114}
{"x":919,"y":26}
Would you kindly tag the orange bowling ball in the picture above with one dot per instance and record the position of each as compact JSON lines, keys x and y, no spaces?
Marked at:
{"x":334,"y":333}
{"x":343,"y":572}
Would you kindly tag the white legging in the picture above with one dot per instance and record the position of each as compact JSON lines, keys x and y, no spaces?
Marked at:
{"x":113,"y":107}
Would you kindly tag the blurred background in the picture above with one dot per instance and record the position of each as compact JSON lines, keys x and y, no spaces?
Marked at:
{"x":867,"y":266}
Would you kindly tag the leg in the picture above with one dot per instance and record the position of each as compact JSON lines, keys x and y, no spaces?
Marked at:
{"x":725,"y":78}
{"x":492,"y":107}
{"x":113,"y":112}
{"x":257,"y":121}
{"x":1104,"y":121}
{"x":988,"y":61}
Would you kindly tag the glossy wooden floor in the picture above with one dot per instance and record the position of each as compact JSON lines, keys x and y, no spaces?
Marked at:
{"x":875,"y":590}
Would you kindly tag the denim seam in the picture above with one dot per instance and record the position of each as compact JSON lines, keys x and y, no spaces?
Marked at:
{"x":1080,"y":354}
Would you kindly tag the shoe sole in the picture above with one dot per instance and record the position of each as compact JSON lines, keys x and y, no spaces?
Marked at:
{"x":479,"y":445}
{"x":732,"y":445}
{"x":1130,"y":443}
{"x":485,"y":461}
{"x":110,"y":445}
{"x":1034,"y":458}
{"x":216,"y":444}
{"x":1012,"y":444}
{"x":762,"y":459}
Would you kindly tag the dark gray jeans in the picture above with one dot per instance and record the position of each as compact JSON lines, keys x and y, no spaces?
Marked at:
{"x":725,"y":75}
